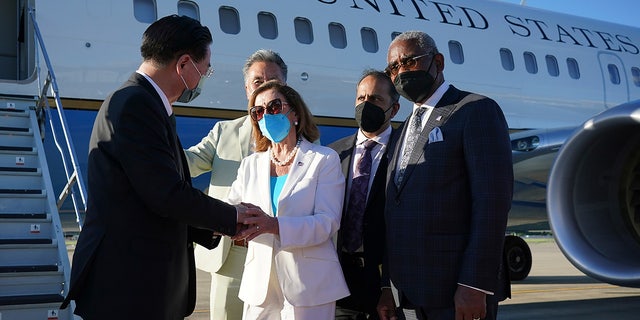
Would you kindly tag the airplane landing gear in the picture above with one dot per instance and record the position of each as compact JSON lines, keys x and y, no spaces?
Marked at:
{"x":518,"y":257}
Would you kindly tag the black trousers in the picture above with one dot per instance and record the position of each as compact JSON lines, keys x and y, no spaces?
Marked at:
{"x":363,"y":281}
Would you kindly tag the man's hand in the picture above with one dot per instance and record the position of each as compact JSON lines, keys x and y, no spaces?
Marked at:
{"x":386,"y":305}
{"x":471,"y":304}
{"x":245,"y":211}
{"x":256,"y":224}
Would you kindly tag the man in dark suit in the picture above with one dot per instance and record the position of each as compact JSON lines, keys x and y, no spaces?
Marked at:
{"x":449,"y":190}
{"x":134,"y":257}
{"x":376,"y":104}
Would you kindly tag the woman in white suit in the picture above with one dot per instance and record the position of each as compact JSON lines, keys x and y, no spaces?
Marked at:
{"x":292,"y":269}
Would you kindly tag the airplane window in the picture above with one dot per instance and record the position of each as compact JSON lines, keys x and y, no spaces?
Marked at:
{"x":189,"y":9}
{"x":530,"y":62}
{"x":304,"y":30}
{"x":455,"y":52}
{"x":552,"y":66}
{"x":614,"y":74}
{"x":635,"y":72}
{"x":229,"y":20}
{"x":337,"y":35}
{"x":369,"y":40}
{"x":507,"y":59}
{"x":145,"y":10}
{"x":574,"y":70}
{"x":395,"y":34}
{"x":267,"y":25}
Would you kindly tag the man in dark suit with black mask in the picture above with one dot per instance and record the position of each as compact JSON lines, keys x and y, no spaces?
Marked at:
{"x":364,"y":164}
{"x":449,"y":189}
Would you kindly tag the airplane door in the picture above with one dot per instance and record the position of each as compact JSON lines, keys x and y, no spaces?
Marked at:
{"x":616,"y":88}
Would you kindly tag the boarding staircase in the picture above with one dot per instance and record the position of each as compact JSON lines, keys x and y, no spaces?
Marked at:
{"x":34,"y":261}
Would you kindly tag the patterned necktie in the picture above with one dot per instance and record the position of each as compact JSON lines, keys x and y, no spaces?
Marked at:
{"x":358,"y":199}
{"x":412,"y":137}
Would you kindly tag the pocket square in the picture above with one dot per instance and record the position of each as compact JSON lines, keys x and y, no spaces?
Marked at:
{"x":435,"y":135}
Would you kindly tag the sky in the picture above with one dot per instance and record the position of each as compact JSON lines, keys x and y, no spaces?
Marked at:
{"x":619,"y":11}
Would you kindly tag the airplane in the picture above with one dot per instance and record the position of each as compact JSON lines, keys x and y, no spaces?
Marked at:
{"x":557,"y":77}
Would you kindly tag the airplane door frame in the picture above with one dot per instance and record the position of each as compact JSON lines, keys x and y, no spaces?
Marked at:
{"x":614,"y":94}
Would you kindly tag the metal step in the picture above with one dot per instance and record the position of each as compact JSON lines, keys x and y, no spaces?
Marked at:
{"x":34,"y":307}
{"x":31,"y":283}
{"x":16,"y":228}
{"x":24,"y":254}
{"x":21,"y":181}
{"x":30,"y":299}
{"x":19,"y":160}
{"x":23,"y":202}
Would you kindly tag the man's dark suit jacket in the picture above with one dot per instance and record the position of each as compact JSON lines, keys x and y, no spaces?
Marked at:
{"x":364,"y":298}
{"x":446,"y":222}
{"x":134,"y":256}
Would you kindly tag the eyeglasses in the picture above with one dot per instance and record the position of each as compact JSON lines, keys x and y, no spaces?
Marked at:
{"x":273,"y":107}
{"x":408,"y":62}
{"x":207,"y":74}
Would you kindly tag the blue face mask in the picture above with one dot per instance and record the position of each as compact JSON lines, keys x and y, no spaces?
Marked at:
{"x":275,"y":126}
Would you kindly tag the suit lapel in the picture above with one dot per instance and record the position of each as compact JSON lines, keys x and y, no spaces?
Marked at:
{"x":396,"y":143}
{"x":346,"y":154}
{"x":263,"y":164}
{"x":437,"y":117}
{"x":301,"y":163}
{"x":244,"y":137}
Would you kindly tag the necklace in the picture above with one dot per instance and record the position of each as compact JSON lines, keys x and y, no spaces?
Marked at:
{"x":293,"y":152}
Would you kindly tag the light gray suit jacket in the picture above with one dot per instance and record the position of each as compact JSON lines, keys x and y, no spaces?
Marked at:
{"x":220,"y":153}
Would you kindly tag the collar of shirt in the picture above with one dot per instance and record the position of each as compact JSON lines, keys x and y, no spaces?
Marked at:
{"x":163,"y":96}
{"x":382,"y":139}
{"x":434,"y":98}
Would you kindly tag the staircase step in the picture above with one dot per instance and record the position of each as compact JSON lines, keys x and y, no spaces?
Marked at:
{"x":31,"y":283}
{"x":18,"y":169}
{"x":29,"y":254}
{"x":31,"y":299}
{"x":30,"y":268}
{"x":26,"y":241}
{"x":21,"y":191}
{"x":12,"y":110}
{"x":24,"y":216}
{"x":15,"y":129}
{"x":25,"y":228}
{"x":17,"y":148}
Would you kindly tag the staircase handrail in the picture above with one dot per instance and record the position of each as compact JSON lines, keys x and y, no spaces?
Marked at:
{"x":75,"y":176}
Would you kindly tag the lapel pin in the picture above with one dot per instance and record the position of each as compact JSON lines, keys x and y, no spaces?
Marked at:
{"x":438,"y":118}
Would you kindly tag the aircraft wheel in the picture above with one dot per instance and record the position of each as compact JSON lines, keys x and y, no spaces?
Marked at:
{"x":518,"y":257}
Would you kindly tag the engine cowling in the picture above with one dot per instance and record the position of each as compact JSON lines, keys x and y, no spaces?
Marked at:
{"x":593,"y":196}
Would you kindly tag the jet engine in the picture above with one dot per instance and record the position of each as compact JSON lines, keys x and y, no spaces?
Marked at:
{"x":593,"y":196}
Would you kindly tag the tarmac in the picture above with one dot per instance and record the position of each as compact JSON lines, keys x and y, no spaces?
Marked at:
{"x":554,"y":289}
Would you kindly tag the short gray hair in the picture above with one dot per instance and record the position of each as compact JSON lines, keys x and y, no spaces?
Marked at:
{"x":423,"y":40}
{"x":264,"y":55}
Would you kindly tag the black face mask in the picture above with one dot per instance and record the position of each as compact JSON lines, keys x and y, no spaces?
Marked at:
{"x":370,"y":117}
{"x":414,"y":85}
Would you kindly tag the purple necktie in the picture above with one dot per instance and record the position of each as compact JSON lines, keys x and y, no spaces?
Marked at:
{"x":358,"y":199}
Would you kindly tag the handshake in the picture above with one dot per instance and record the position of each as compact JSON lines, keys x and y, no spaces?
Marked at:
{"x":252,"y":222}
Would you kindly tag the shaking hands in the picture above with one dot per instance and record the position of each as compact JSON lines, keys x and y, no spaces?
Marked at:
{"x":252,"y":222}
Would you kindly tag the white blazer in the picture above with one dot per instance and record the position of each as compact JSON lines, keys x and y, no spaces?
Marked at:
{"x":309,"y":212}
